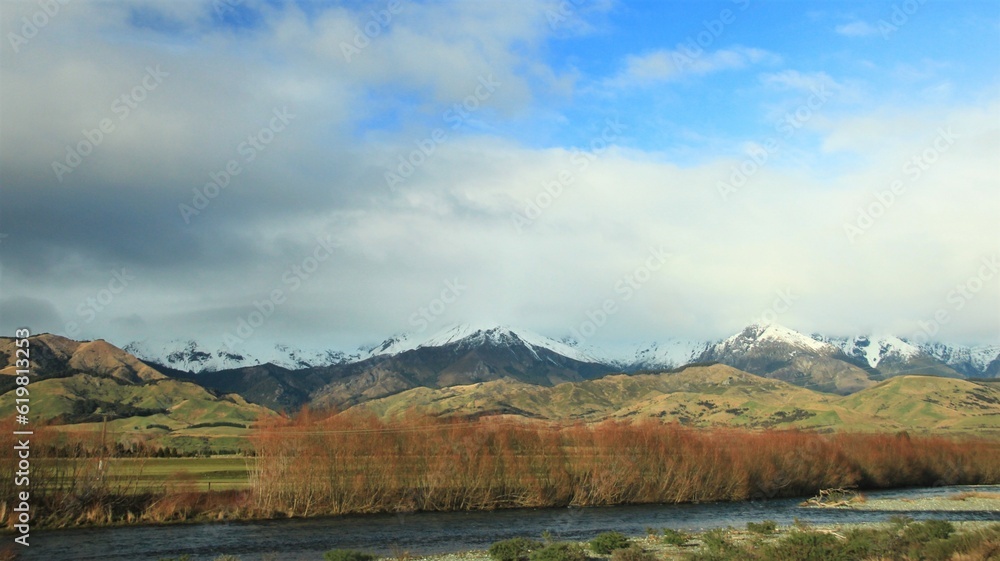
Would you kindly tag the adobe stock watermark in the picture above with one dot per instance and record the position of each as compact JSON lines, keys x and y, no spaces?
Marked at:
{"x":760,"y":153}
{"x":563,"y":12}
{"x":122,"y":107}
{"x":292,"y":280}
{"x":91,"y":306}
{"x":247,"y":151}
{"x":913,"y":169}
{"x":900,"y":16}
{"x":625,"y":288}
{"x":425,"y":315}
{"x":694,"y":46}
{"x":32,"y":25}
{"x":553,"y":189}
{"x":377,"y":22}
{"x":221,"y":7}
{"x":782,"y":303}
{"x":454,"y":116}
{"x":958,"y":298}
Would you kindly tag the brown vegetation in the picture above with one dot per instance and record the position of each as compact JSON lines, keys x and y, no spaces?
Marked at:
{"x":354,"y":463}
{"x":357,"y":463}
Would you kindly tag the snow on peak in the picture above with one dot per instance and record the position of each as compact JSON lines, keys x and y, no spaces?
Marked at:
{"x":649,"y":355}
{"x":974,"y":358}
{"x":191,"y":356}
{"x":478,"y":334}
{"x":758,"y":332}
{"x":876,"y":348}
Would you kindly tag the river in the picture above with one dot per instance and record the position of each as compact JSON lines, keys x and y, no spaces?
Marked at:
{"x":426,"y":533}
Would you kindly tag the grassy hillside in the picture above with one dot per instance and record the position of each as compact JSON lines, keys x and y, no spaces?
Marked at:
{"x":165,"y":408}
{"x":943,"y":403}
{"x":52,"y":356}
{"x":77,"y":386}
{"x":719,"y":395}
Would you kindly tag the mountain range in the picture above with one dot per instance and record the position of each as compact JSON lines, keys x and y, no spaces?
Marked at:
{"x":886,"y":353}
{"x":287,"y":378}
{"x":765,"y":375}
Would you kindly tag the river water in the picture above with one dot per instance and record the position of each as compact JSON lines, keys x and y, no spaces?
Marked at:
{"x":425,"y":533}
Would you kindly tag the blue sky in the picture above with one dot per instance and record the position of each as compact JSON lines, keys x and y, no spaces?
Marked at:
{"x":759,"y":161}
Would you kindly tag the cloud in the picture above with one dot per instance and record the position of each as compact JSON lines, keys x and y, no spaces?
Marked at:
{"x":598,"y":206}
{"x":667,"y":65}
{"x":857,"y":29}
{"x":793,"y":79}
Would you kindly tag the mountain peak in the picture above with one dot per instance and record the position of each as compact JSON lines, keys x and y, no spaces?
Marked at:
{"x":475,"y":334}
{"x":773,"y":332}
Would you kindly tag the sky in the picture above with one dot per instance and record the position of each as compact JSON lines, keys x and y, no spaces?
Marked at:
{"x":332,"y":173}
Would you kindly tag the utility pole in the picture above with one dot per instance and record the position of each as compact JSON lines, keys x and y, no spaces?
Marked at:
{"x":100,"y":460}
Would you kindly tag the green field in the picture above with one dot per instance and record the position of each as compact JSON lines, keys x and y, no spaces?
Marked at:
{"x":217,"y":473}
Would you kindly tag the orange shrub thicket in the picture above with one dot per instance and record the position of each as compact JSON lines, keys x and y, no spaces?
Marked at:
{"x":345,"y":463}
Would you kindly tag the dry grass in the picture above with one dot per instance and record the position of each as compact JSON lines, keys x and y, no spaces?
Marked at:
{"x":975,"y":495}
{"x":358,"y":463}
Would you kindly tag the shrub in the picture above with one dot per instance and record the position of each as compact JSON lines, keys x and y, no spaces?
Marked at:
{"x":808,"y":546}
{"x":900,"y":520}
{"x":559,"y":551}
{"x":717,"y":540}
{"x":514,"y":549}
{"x":764,"y":528}
{"x":607,"y":542}
{"x":922,"y":532}
{"x":348,"y":555}
{"x":674,"y":537}
{"x":632,"y":553}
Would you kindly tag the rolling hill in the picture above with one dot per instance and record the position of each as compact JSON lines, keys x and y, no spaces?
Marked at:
{"x":499,"y":371}
{"x":77,"y":384}
{"x":719,"y":395}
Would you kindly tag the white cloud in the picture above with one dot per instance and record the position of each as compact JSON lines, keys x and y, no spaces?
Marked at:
{"x":452,"y":217}
{"x":857,"y":29}
{"x":667,"y":65}
{"x":793,"y":79}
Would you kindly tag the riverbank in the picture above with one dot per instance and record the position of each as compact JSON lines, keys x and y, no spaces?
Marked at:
{"x":406,"y":536}
{"x":898,"y":539}
{"x":986,"y":500}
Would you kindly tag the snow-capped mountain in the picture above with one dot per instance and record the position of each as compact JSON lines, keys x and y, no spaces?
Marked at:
{"x":651,"y":355}
{"x":191,"y":356}
{"x":890,"y":356}
{"x":876,"y":349}
{"x":972,"y":362}
{"x":760,"y":335}
{"x":775,"y":351}
{"x":471,"y":335}
{"x":759,"y":348}
{"x":459,"y":355}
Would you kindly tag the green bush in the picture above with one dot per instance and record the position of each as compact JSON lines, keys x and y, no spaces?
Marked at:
{"x":922,"y":532}
{"x":348,"y":555}
{"x":632,"y":553}
{"x":900,"y":520}
{"x":559,"y":551}
{"x":717,"y":540}
{"x":675,"y":537}
{"x":808,"y":546}
{"x":514,"y":549}
{"x":764,"y":528}
{"x":607,"y":542}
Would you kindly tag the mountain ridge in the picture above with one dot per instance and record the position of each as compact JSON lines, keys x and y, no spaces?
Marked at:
{"x":866,"y":351}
